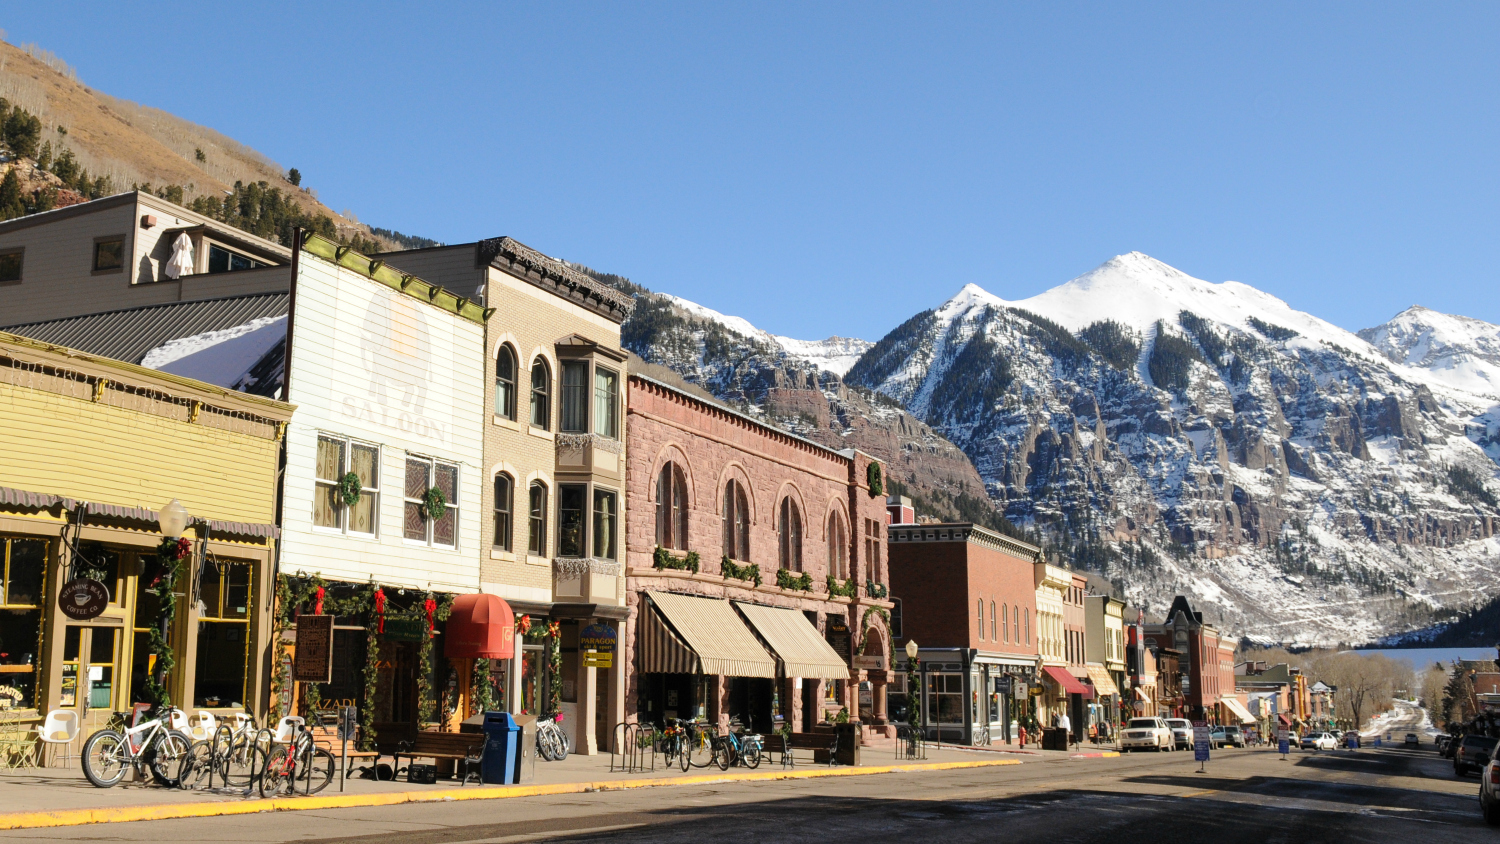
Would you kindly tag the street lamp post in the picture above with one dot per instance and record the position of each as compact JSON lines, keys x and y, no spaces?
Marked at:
{"x":913,"y":692}
{"x":173,"y":521}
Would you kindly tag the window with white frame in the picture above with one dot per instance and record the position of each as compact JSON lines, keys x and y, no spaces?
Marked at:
{"x":338,"y":457}
{"x":420,"y":524}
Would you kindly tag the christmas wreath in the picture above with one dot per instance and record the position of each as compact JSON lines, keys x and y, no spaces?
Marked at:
{"x":349,"y":489}
{"x":873,"y":477}
{"x":433,"y":503}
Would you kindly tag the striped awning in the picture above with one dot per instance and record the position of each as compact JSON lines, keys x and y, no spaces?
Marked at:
{"x":793,"y":639}
{"x":682,"y":634}
{"x":31,"y":500}
{"x":1103,"y":683}
{"x":1238,"y":709}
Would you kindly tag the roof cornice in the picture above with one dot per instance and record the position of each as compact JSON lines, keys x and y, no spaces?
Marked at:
{"x":554,"y":276}
{"x":377,"y":270}
{"x":964,"y":532}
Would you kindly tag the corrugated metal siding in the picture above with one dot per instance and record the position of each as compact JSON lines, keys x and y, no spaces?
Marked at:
{"x":129,"y":334}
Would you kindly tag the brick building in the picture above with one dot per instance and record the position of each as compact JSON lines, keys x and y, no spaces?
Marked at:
{"x":969,"y":602}
{"x":755,"y":569}
{"x":1207,"y":675}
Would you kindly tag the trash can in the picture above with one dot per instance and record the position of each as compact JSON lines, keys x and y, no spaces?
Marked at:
{"x":501,"y":763}
{"x":1054,"y":738}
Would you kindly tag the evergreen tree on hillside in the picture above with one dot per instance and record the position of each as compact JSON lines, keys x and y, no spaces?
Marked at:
{"x":1114,"y":341}
{"x":12,"y":204}
{"x":1171,"y":360}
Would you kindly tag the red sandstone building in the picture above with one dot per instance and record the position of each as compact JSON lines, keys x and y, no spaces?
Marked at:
{"x":1205,"y":674}
{"x":755,"y":570}
{"x":968,"y":599}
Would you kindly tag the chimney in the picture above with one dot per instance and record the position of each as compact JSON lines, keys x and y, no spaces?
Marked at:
{"x":899,"y":511}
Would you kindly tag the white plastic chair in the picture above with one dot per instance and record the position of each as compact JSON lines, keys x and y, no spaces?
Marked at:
{"x":287,"y":728}
{"x":203,"y":728}
{"x":179,"y":721}
{"x":243,"y":723}
{"x":59,"y":730}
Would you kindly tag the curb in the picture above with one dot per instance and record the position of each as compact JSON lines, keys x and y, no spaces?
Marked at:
{"x":168,"y":811}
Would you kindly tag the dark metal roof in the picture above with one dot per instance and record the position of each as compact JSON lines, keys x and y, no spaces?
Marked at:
{"x":130,"y":333}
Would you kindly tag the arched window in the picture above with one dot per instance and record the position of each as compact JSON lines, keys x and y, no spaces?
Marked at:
{"x":981,"y":619}
{"x":541,"y":394}
{"x":505,"y":383}
{"x":789,"y":530}
{"x":838,"y":546}
{"x":504,"y":509}
{"x":671,"y":508}
{"x":736,"y":522}
{"x":538,"y":505}
{"x":993,"y":621}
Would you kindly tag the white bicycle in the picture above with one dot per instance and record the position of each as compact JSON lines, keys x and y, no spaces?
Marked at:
{"x":551,"y":742}
{"x":152,"y":745}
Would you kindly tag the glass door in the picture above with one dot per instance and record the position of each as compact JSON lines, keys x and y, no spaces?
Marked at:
{"x":90,"y":666}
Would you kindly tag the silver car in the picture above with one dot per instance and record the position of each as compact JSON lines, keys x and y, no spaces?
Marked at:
{"x":1182,"y":732}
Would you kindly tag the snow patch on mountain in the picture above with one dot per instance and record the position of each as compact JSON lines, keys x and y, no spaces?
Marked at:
{"x":836,"y":354}
{"x":1458,"y":351}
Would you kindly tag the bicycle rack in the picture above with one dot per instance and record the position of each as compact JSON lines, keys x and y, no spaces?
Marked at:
{"x":910,"y":743}
{"x":626,"y":743}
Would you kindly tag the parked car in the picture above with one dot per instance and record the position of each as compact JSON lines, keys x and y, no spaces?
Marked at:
{"x":1440,"y":741}
{"x":1319,"y":741}
{"x":1144,"y":733}
{"x":1227,"y":736}
{"x":1473,"y":753}
{"x":1450,"y":747}
{"x":1182,"y":732}
{"x":1489,"y":793}
{"x":1412,"y":740}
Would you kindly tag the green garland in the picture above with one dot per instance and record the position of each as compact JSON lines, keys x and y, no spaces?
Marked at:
{"x":554,"y":663}
{"x":292,"y":593}
{"x":749,"y":572}
{"x":481,"y":688}
{"x":877,"y":483}
{"x":367,"y":732}
{"x":846,"y":589}
{"x":169,"y":554}
{"x":348,"y":490}
{"x":426,"y":702}
{"x":801,"y":583}
{"x":434,"y":504}
{"x":663,"y":560}
{"x":876,"y":590}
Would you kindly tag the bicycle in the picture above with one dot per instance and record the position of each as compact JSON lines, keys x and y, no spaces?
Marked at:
{"x":671,"y":742}
{"x":736,"y":748}
{"x":299,"y":759}
{"x":551,"y":742}
{"x":697,"y":747}
{"x":152,"y":746}
{"x":232,"y":753}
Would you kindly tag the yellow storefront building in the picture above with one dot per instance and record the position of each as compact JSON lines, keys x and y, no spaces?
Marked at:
{"x":91,"y":449}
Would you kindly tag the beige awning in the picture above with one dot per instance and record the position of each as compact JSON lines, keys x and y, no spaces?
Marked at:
{"x":793,"y":639}
{"x":1103,"y":683}
{"x":1238,"y":709}
{"x":718,"y":641}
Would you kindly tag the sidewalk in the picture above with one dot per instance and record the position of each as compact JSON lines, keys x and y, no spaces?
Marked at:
{"x":63,"y":797}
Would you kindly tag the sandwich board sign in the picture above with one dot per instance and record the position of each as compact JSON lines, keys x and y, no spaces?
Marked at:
{"x":1201,"y":741}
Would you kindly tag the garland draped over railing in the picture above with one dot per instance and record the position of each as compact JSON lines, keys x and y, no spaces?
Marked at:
{"x":801,"y":583}
{"x":663,"y":560}
{"x":841,"y":589}
{"x":749,"y":572}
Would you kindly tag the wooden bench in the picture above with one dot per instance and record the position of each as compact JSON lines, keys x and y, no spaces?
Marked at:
{"x":328,"y":739}
{"x":459,"y":748}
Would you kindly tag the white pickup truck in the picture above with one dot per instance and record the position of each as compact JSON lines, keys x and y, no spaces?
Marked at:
{"x":1143,"y":733}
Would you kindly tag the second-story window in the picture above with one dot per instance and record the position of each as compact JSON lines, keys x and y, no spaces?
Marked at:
{"x":789,"y":533}
{"x":109,"y":254}
{"x":419,"y":524}
{"x":993,"y":636}
{"x":605,"y":519}
{"x":537,"y":505}
{"x":541,"y":394}
{"x":571,"y":508}
{"x":872,"y":548}
{"x":505,"y":383}
{"x":838,"y":546}
{"x":980,"y":611}
{"x":504,"y":503}
{"x":1027,"y":617}
{"x":736,"y":522}
{"x":10,"y":264}
{"x":337,"y":457}
{"x":606,"y":403}
{"x":671,"y":508}
{"x":575,"y":397}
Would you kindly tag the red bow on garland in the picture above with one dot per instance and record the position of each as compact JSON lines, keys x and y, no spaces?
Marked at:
{"x":379,"y":610}
{"x":523,"y":624}
{"x":431,"y":607}
{"x":554,"y":629}
{"x":318,"y":601}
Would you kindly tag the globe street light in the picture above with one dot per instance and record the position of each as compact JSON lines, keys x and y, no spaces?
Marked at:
{"x":173,"y":519}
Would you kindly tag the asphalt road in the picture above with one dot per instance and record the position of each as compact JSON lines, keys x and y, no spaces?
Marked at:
{"x":1392,"y":794}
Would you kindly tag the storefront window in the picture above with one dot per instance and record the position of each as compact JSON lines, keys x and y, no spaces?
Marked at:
{"x":103,"y":565}
{"x":945,"y":698}
{"x":72,"y":638}
{"x":23,"y":565}
{"x":147,"y":612}
{"x":531,"y":680}
{"x":223,"y":634}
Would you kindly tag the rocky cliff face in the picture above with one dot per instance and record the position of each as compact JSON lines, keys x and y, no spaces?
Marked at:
{"x":1183,"y":436}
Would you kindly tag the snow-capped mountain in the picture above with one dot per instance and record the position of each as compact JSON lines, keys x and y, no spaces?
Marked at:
{"x":836,"y":354}
{"x":1458,"y":351}
{"x":1184,"y":436}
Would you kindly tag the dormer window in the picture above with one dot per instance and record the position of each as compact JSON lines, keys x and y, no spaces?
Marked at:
{"x":221,"y":260}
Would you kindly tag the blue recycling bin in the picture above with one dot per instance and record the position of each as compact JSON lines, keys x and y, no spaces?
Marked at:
{"x":501,"y":762}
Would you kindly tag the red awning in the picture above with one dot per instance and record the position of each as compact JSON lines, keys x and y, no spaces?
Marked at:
{"x":481,"y":626}
{"x":1068,"y":682}
{"x":1285,"y":721}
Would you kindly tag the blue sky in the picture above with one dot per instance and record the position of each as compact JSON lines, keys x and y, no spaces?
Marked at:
{"x":835,"y":168}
